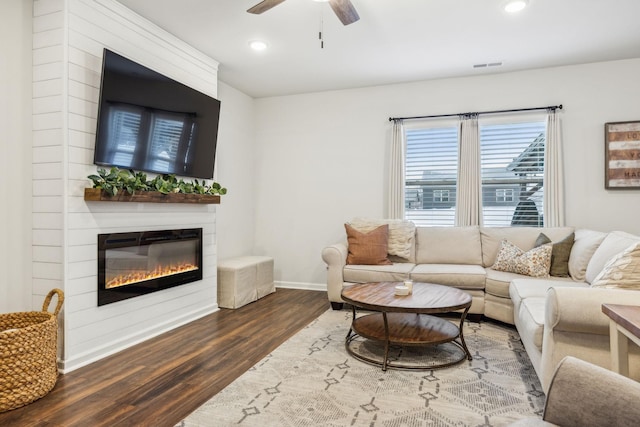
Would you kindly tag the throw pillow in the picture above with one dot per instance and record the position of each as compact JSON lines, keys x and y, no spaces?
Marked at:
{"x":612,"y":245}
{"x":559,"y":254}
{"x":534,"y":263}
{"x":401,"y":233}
{"x":622,"y":271}
{"x":368,"y":248}
{"x":587,"y":241}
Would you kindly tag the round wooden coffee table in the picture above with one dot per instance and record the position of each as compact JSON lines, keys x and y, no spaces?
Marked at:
{"x":406,"y":320}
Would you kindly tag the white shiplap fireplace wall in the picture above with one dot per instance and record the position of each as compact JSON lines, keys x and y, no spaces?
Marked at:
{"x":68,"y":41}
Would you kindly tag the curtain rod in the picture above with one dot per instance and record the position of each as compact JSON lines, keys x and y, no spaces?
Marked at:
{"x":550,"y":107}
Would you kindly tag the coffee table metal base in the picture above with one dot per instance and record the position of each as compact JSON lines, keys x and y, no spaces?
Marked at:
{"x":406,"y":329}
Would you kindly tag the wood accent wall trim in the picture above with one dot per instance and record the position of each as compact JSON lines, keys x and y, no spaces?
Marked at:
{"x":98,"y":195}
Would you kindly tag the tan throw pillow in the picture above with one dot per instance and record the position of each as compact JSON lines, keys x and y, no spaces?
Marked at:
{"x":559,"y":254}
{"x":534,"y":263}
{"x":622,"y":271}
{"x":368,"y":248}
{"x":401,"y":233}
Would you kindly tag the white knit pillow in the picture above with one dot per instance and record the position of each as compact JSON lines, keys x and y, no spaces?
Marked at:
{"x":401,"y":233}
{"x":622,"y":271}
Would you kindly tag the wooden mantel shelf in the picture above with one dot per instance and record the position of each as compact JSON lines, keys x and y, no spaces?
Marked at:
{"x":98,"y":195}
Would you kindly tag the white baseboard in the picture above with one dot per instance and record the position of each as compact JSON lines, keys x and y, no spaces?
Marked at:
{"x":65,"y":366}
{"x":302,"y":285}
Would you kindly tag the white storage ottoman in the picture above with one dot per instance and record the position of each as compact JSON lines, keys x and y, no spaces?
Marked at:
{"x":243,"y":280}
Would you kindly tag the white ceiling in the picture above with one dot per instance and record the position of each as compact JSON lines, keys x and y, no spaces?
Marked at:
{"x":395,"y":40}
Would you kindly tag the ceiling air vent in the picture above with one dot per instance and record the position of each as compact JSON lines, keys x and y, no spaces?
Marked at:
{"x":489,"y":64}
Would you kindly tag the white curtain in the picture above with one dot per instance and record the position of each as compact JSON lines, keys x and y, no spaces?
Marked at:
{"x":469,"y":188}
{"x":553,"y":173}
{"x":396,"y":172}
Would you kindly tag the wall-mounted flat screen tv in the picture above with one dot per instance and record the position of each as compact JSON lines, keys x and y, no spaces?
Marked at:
{"x":149,"y":122}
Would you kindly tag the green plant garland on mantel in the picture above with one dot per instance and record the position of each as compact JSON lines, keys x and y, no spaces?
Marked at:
{"x":116,"y":180}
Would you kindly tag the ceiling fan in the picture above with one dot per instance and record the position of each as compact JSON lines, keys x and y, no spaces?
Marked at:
{"x":343,"y":9}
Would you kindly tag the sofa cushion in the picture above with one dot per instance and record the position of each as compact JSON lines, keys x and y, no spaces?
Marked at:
{"x":368,"y":248}
{"x":401,"y":234}
{"x":497,"y":282}
{"x":396,"y":272}
{"x":534,"y":262}
{"x":461,"y":276}
{"x":559,"y":254}
{"x":520,"y":288}
{"x":585,"y":245}
{"x":531,"y":319}
{"x":612,"y":245}
{"x":529,"y":298}
{"x":622,"y":271}
{"x":448,"y":245}
{"x":522,"y":237}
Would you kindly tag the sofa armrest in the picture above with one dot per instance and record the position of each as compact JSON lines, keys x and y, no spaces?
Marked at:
{"x":580,"y":309}
{"x":335,"y":256}
{"x":576,"y":326}
{"x":584,"y":394}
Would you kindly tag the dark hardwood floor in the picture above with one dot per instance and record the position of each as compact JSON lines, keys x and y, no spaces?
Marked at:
{"x":161,"y":381}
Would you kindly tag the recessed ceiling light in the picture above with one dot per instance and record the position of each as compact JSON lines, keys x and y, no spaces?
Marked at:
{"x":258,"y":45}
{"x":514,"y":6}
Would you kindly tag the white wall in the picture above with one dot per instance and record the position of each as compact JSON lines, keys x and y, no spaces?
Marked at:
{"x":323,"y":156}
{"x":235,"y":165}
{"x":68,"y":41}
{"x":15,"y":157}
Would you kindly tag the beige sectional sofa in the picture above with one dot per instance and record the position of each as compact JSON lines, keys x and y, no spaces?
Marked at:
{"x":555,"y":316}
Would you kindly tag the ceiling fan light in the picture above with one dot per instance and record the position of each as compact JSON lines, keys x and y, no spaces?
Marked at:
{"x":258,"y":45}
{"x":514,"y":6}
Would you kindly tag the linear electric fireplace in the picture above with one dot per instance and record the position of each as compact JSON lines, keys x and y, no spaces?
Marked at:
{"x":138,"y":263}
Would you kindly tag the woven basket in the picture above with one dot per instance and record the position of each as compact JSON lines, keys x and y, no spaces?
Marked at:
{"x":28,"y":350}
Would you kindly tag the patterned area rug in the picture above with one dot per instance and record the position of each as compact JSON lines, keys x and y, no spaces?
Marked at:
{"x":311,"y":380}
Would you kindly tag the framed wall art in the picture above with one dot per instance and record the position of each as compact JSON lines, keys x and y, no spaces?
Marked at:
{"x":622,"y":155}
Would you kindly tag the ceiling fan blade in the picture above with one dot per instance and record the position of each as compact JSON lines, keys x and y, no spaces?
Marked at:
{"x":263,"y":6}
{"x":345,"y":11}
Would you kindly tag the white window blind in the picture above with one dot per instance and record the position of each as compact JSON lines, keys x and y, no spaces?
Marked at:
{"x":512,"y":157}
{"x":431,"y":175}
{"x":512,"y":168}
{"x":164,"y":137}
{"x":124,"y":128}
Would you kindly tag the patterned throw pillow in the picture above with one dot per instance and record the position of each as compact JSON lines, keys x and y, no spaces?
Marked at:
{"x":368,"y":248}
{"x":622,"y":271}
{"x":534,"y":263}
{"x":559,"y":254}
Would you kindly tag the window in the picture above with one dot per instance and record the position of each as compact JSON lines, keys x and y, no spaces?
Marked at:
{"x":512,"y":169}
{"x":124,"y":127}
{"x":167,"y":131}
{"x":440,"y":196}
{"x":504,"y":195}
{"x":148,"y":139}
{"x":431,"y":175}
{"x":512,"y":158}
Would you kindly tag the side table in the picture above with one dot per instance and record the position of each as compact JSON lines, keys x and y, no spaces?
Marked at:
{"x":624,"y":325}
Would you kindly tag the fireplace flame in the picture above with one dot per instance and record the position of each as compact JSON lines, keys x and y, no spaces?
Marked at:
{"x":141,"y":276}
